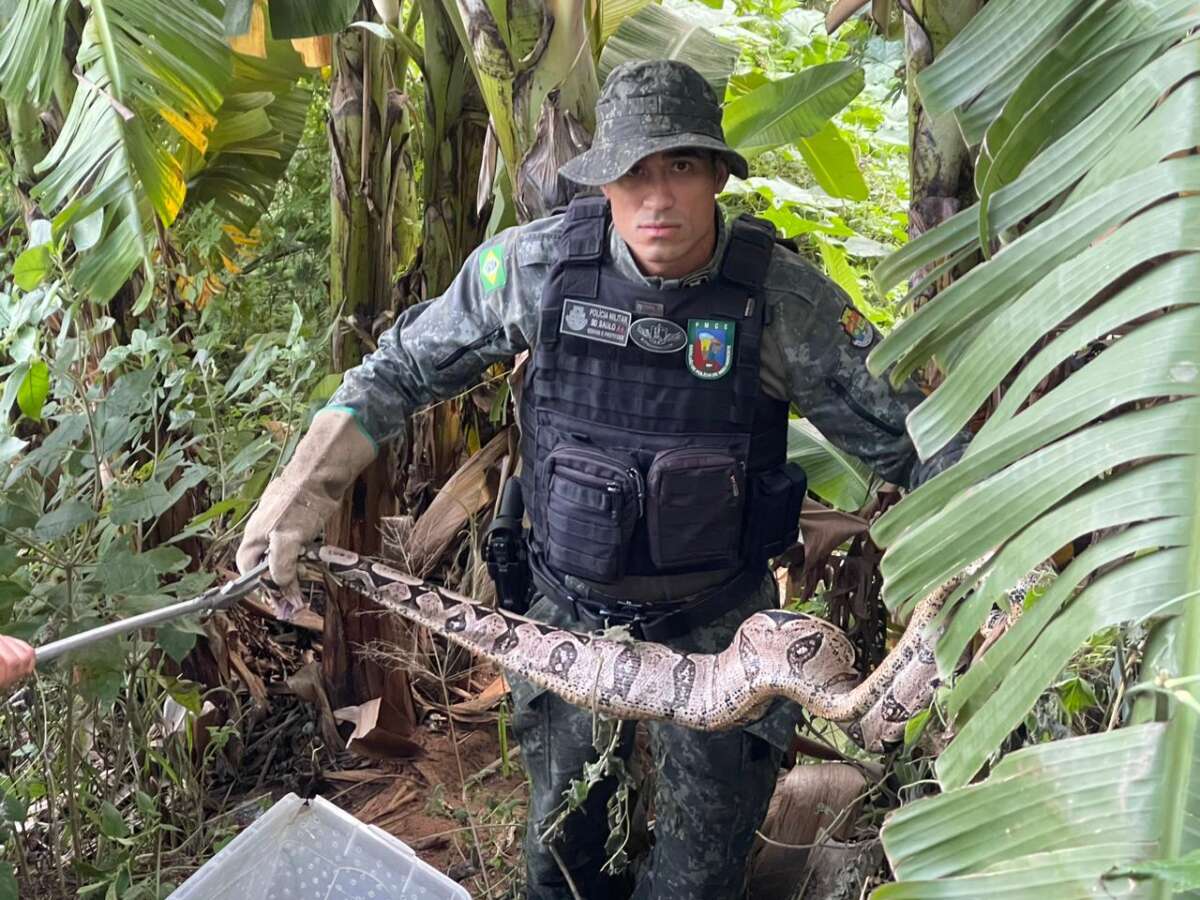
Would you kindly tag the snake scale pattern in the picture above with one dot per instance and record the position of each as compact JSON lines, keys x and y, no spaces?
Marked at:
{"x":773,"y":654}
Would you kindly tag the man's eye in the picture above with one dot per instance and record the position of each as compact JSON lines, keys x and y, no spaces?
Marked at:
{"x":683,"y":165}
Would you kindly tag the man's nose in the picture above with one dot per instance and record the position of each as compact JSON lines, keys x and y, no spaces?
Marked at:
{"x":659,"y":194}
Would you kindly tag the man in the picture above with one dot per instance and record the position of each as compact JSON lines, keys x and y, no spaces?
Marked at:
{"x":16,"y":660}
{"x":666,"y":348}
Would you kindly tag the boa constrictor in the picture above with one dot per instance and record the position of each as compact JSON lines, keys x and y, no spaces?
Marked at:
{"x":773,"y":654}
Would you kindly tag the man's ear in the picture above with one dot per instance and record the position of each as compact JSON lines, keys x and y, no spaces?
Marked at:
{"x":721,"y":174}
{"x":605,"y":189}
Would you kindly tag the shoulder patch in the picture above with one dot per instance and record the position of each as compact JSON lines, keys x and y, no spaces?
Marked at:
{"x":856,"y":326}
{"x":492,"y":274}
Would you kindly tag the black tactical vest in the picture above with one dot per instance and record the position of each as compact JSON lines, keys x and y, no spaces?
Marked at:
{"x":648,"y":446}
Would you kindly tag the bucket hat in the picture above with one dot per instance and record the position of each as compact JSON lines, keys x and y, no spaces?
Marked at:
{"x":649,"y":106}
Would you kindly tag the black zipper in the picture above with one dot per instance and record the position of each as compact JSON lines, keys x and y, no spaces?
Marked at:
{"x":861,"y":411}
{"x":459,"y":352}
{"x":612,"y":488}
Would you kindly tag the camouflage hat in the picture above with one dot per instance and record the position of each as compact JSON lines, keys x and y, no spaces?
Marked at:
{"x":648,"y":106}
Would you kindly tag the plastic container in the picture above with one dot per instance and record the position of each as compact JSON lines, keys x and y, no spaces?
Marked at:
{"x":311,"y":850}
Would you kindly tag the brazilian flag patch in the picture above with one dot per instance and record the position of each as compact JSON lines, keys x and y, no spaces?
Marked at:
{"x":491,"y":269}
{"x":710,"y":347}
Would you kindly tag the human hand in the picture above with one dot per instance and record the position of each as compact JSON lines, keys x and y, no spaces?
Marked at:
{"x":16,"y":660}
{"x":296,"y":504}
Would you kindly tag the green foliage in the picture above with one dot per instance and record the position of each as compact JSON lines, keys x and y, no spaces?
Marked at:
{"x":133,"y":442}
{"x":840,"y":191}
{"x":1078,"y":337}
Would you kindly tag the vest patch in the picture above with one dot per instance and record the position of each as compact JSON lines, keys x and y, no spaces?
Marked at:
{"x":856,"y":327}
{"x":594,"y":322}
{"x":658,"y":335}
{"x":710,"y":347}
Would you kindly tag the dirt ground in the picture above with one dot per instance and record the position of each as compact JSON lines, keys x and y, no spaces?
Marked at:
{"x":455,"y":806}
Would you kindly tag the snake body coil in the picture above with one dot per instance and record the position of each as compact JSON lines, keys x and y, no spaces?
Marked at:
{"x":773,"y":654}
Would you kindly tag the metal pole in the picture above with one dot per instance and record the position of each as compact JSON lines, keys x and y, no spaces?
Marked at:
{"x":215,"y":598}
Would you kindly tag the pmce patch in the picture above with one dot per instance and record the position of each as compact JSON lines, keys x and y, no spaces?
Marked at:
{"x":594,"y":322}
{"x":856,"y":327}
{"x":658,"y":335}
{"x":710,"y":347}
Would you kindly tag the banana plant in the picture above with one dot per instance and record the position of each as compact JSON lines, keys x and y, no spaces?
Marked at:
{"x":539,"y":65}
{"x":1085,"y":114}
{"x":144,"y":114}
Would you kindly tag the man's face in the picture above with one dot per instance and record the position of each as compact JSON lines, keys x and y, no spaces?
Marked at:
{"x":664,"y":208}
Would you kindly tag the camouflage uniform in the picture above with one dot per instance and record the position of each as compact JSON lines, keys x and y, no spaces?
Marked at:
{"x":438,"y":348}
{"x":713,"y":789}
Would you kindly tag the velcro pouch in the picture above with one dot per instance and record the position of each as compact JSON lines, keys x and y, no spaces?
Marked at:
{"x":694,"y":503}
{"x":592,"y":503}
{"x":776,"y":501}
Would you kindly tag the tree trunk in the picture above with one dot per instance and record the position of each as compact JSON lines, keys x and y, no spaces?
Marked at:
{"x":941,"y":166}
{"x":455,"y":128}
{"x":382,"y":263}
{"x":368,"y":133}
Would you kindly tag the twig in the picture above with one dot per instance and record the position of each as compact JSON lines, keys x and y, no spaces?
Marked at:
{"x":461,"y":775}
{"x":562,"y":868}
{"x":273,"y":257}
{"x":491,"y":768}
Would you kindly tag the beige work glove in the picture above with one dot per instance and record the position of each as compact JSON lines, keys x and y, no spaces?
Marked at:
{"x":295,"y":506}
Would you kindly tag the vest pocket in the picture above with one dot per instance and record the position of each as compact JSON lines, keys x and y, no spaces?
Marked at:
{"x":694,"y":508}
{"x":593,"y":502}
{"x":777,"y":499}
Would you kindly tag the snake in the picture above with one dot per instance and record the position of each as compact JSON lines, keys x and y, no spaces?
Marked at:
{"x":774,"y":653}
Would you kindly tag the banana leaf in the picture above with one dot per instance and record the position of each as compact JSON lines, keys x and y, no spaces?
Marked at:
{"x":656,"y":33}
{"x":836,"y":477}
{"x":1081,"y":334}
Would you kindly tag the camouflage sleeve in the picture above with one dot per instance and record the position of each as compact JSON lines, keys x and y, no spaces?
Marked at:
{"x":438,"y":348}
{"x":814,"y":354}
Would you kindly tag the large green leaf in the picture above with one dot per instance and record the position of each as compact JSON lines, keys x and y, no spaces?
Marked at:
{"x":1050,"y":821}
{"x":1070,"y":101}
{"x":1106,"y":25}
{"x":1090,"y":149}
{"x":149,"y":83}
{"x":306,"y":18}
{"x":799,"y":106}
{"x":611,"y":13}
{"x":834,"y":476}
{"x":259,"y":126}
{"x":830,"y":158}
{"x":27,"y":71}
{"x":654,"y":33}
{"x":165,"y":110}
{"x":1083,"y":333}
{"x":1029,"y":259}
{"x":985,"y":63}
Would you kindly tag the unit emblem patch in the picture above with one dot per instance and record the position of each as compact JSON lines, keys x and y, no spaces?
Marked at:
{"x":856,"y":326}
{"x":658,"y":335}
{"x":594,"y":322}
{"x":710,"y":347}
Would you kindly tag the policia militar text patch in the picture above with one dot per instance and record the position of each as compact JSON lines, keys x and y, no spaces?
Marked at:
{"x":594,"y":322}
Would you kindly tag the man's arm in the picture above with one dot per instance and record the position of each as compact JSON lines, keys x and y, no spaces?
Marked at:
{"x":438,"y":348}
{"x":434,"y":350}
{"x":814,"y":355}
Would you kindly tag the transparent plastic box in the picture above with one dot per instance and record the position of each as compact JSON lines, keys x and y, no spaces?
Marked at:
{"x":311,"y":850}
